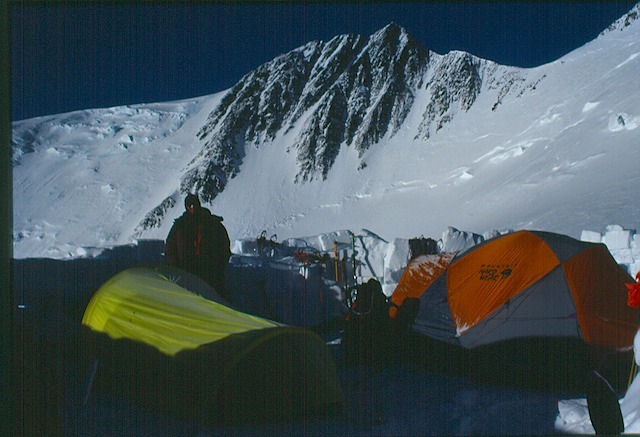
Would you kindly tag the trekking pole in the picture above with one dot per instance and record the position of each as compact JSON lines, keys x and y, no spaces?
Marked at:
{"x":353,"y":258}
{"x":335,"y":260}
{"x":343,"y":276}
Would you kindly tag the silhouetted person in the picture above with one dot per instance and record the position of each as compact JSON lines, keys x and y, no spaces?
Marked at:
{"x":199,"y":243}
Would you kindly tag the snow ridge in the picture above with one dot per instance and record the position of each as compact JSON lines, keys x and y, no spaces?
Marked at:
{"x":356,"y":132}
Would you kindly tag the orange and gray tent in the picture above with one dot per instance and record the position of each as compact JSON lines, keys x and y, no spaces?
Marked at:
{"x":157,"y":340}
{"x":418,"y":276}
{"x":527,"y":284}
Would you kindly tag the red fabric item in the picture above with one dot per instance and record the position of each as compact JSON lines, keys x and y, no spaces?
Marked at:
{"x":198,"y":243}
{"x":633,"y":300}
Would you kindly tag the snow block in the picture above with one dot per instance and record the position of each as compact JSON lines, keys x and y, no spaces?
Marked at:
{"x":245,"y":247}
{"x":395,"y":261}
{"x":617,"y":238}
{"x":622,"y":256}
{"x":283,"y":290}
{"x":493,"y":234}
{"x":370,"y":252}
{"x":324,"y":242}
{"x":591,"y":236}
{"x":454,"y":240}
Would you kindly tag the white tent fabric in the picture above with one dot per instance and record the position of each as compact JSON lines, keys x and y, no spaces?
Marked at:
{"x":573,"y":414}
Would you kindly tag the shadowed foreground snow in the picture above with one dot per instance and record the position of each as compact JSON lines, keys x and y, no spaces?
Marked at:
{"x":435,"y":391}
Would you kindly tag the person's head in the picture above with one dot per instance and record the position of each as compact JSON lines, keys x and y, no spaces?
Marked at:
{"x":191,"y":203}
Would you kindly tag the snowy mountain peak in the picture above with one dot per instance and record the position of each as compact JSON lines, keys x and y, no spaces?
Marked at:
{"x":345,"y":92}
{"x":357,"y":132}
{"x":387,"y":39}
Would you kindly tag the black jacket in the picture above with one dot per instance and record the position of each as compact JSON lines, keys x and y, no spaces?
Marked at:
{"x":198,"y":239}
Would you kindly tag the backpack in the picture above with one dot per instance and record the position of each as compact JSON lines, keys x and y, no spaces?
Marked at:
{"x":367,"y":325}
{"x":422,"y":246}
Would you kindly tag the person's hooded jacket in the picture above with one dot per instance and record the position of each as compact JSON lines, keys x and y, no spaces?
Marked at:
{"x":198,"y":242}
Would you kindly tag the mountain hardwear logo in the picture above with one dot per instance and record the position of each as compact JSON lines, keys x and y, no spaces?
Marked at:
{"x":495,"y":272}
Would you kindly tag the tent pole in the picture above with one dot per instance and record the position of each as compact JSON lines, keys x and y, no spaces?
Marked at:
{"x":90,"y":378}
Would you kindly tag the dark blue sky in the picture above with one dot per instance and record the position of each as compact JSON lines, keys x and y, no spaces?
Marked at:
{"x":66,"y":57}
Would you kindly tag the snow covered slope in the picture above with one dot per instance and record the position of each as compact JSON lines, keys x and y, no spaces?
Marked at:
{"x":355,"y":133}
{"x":85,"y":179}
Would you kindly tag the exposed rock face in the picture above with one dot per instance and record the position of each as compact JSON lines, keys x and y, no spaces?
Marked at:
{"x":454,"y":85}
{"x":351,"y":91}
{"x":155,"y":216}
{"x":624,"y":21}
{"x":348,"y":92}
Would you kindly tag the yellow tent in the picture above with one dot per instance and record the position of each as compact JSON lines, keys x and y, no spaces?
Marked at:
{"x":159,"y":342}
{"x":150,"y":306}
